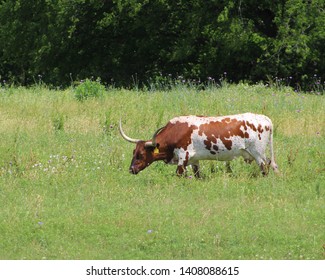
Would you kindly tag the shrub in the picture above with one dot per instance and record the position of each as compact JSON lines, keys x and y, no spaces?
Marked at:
{"x":88,"y":89}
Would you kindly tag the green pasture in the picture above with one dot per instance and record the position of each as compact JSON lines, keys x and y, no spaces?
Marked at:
{"x":65,"y":190}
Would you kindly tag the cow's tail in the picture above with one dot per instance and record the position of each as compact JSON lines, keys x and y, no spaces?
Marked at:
{"x":272,"y":163}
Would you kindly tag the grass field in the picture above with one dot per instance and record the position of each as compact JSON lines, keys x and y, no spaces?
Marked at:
{"x":65,"y":190}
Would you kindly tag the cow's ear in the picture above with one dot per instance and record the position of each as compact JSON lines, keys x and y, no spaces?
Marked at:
{"x":156,"y":149}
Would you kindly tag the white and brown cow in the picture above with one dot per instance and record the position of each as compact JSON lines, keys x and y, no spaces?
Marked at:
{"x":186,"y":140}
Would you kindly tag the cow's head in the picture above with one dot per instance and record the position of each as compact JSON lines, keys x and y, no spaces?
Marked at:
{"x":144,"y":152}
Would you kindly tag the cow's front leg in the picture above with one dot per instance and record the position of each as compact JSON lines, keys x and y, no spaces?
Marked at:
{"x":196,"y":170}
{"x":182,"y":163}
{"x":180,"y":171}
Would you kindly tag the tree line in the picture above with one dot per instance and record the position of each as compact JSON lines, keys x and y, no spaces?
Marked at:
{"x":128,"y":41}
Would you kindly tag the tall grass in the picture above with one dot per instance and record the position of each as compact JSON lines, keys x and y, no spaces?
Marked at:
{"x":66,"y":192}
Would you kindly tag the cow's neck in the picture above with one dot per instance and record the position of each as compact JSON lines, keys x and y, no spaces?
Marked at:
{"x":163,"y":154}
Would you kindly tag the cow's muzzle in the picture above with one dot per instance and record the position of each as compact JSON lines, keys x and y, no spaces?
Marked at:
{"x":133,"y":170}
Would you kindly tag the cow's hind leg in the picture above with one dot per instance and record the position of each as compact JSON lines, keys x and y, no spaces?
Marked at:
{"x":260,"y":160}
{"x":264,"y":169}
{"x":262,"y":163}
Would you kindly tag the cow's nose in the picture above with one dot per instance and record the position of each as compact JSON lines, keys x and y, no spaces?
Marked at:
{"x":132,"y":170}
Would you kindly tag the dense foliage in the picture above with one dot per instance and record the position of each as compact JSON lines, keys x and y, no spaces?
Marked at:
{"x":128,"y":42}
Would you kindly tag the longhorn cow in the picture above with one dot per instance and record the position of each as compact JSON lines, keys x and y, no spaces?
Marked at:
{"x":186,"y":140}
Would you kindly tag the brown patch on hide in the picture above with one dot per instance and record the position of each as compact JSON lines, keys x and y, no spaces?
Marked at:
{"x":252,"y":126}
{"x":260,"y":129}
{"x":176,"y":135}
{"x":222,"y":130}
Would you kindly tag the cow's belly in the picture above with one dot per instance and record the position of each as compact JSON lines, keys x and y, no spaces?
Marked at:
{"x":199,"y":150}
{"x":217,"y":151}
{"x":222,"y":155}
{"x":194,"y":158}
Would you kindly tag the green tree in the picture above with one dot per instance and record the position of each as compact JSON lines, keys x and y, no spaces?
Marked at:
{"x":23,"y":37}
{"x":134,"y":40}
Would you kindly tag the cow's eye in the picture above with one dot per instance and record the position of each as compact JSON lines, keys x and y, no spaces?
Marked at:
{"x":138,"y":157}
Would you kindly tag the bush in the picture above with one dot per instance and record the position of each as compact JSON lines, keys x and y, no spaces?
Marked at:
{"x":89,"y":89}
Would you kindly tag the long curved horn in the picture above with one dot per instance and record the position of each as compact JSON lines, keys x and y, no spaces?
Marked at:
{"x":153,"y":143}
{"x":127,"y":138}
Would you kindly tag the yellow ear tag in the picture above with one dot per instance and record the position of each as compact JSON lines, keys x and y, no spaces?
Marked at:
{"x":156,"y":151}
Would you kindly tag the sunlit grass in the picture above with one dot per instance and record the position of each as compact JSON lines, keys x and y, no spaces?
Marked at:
{"x":66,"y":192}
